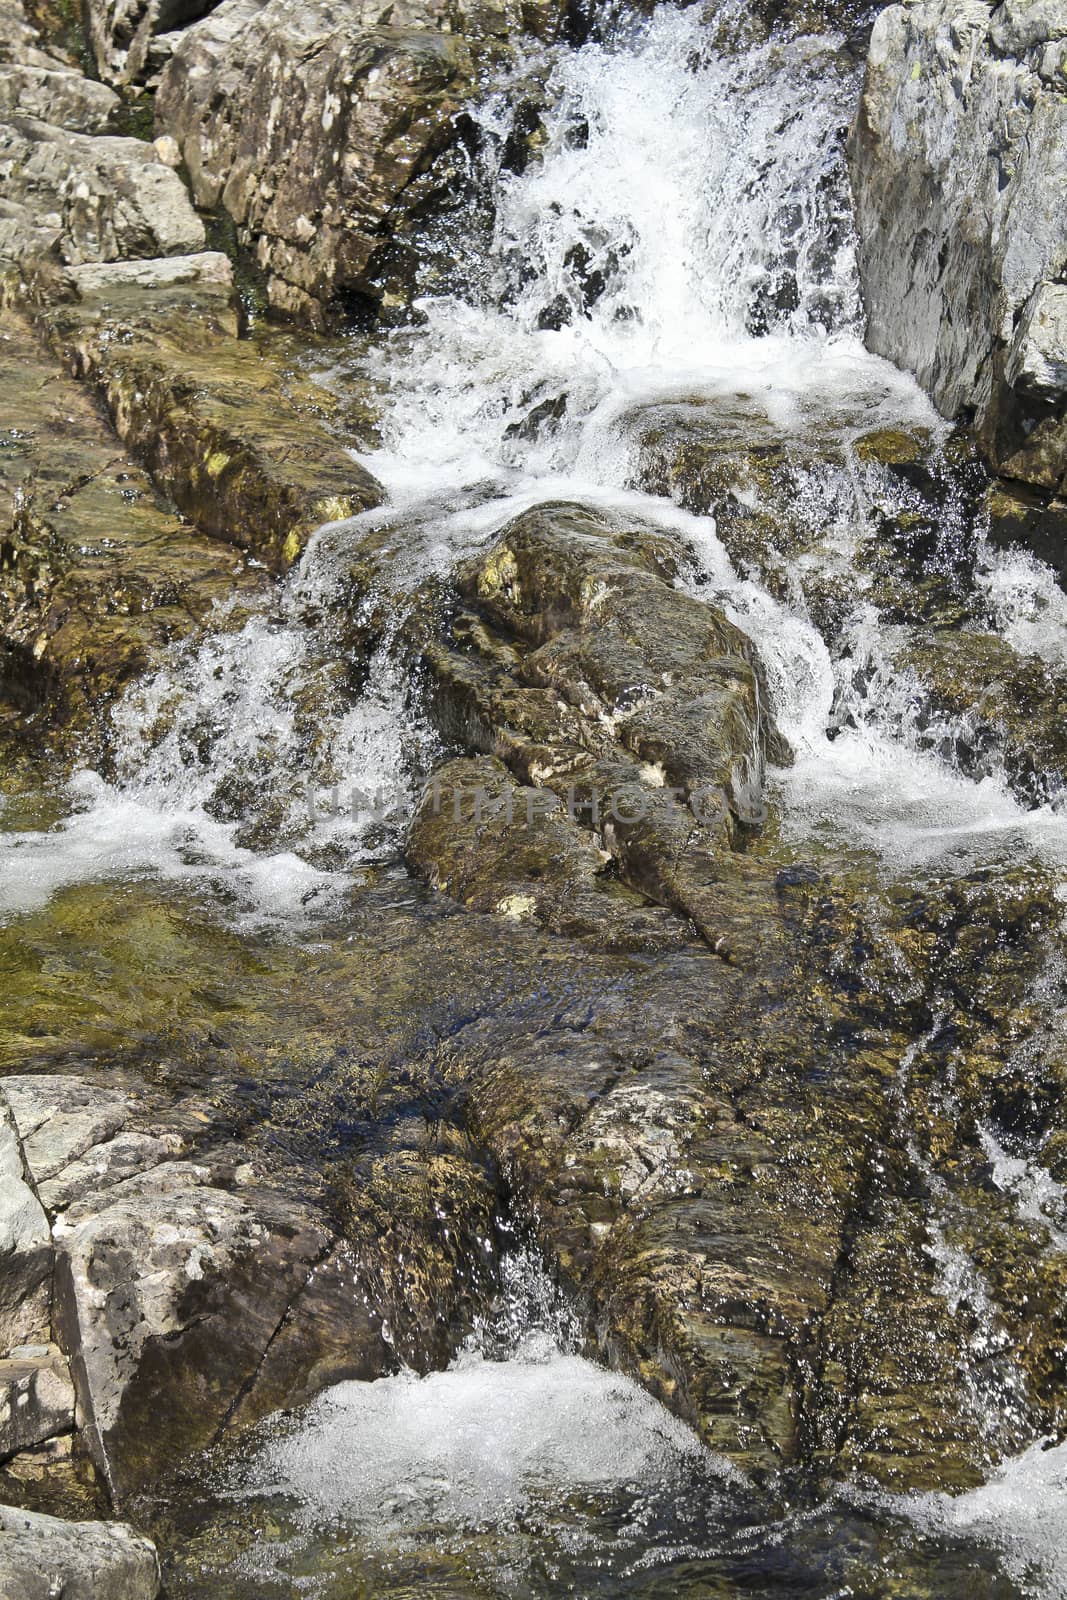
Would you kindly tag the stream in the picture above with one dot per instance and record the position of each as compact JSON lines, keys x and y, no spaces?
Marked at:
{"x":680,"y":236}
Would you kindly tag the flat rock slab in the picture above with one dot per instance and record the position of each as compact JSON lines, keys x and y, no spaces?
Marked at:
{"x":43,"y":1557}
{"x":213,"y":417}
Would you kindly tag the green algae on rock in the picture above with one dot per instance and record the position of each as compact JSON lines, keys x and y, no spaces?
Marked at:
{"x":97,"y":574}
{"x":208,"y":414}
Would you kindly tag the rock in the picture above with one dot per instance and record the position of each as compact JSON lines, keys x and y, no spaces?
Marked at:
{"x":308,"y":123}
{"x":36,"y":1397}
{"x":121,"y":32}
{"x":57,"y":96}
{"x":1012,"y":709}
{"x":191,"y":1297}
{"x":97,"y":575}
{"x":1026,"y":517}
{"x":42,"y":1557}
{"x":579,"y":664}
{"x":781,"y":496}
{"x":25,"y":1248}
{"x":498,"y":846}
{"x":1037,"y":364}
{"x":90,"y":198}
{"x":217,"y":421}
{"x":958,"y":155}
{"x":75,"y":1139}
{"x":167,"y":150}
{"x":114,"y":280}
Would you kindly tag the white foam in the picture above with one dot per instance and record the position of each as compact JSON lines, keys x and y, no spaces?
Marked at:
{"x":473,"y":1446}
{"x":1021,"y":1512}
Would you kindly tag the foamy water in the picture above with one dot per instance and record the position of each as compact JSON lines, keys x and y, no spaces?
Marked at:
{"x":684,"y":231}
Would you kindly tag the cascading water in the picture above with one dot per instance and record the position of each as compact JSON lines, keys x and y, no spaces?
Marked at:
{"x":681,"y":233}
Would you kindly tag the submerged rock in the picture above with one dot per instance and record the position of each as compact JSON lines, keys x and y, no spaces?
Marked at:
{"x":958,"y":156}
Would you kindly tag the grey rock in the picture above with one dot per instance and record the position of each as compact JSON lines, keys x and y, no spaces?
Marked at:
{"x":36,"y":1397}
{"x":20,"y":42}
{"x":959,"y":167}
{"x":1037,"y":364}
{"x":25,"y":1247}
{"x":122,"y":32}
{"x":171,"y":1287}
{"x":59,"y":96}
{"x":44,"y":1557}
{"x":102,"y":280}
{"x":307,"y":122}
{"x":89,"y":198}
{"x":1019,"y":25}
{"x":59,"y":1118}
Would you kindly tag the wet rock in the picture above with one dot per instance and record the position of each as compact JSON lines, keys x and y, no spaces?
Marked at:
{"x":580,"y":665}
{"x":1020,"y":516}
{"x":1013,"y":708}
{"x":827,"y":515}
{"x":36,"y":1397}
{"x":498,"y":846}
{"x":209,"y":414}
{"x":957,"y":158}
{"x":697,"y":1146}
{"x":88,"y":198}
{"x":25,"y":1247}
{"x":308,"y":124}
{"x":97,"y":574}
{"x":41,"y":1557}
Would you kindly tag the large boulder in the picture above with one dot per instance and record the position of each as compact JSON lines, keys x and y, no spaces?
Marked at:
{"x":190,"y":1294}
{"x":959,"y":168}
{"x":577,"y":660}
{"x":42,"y":1557}
{"x":308,"y":123}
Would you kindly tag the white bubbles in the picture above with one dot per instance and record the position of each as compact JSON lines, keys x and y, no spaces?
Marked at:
{"x":1021,"y":1512}
{"x":473,"y":1446}
{"x":1027,"y":605}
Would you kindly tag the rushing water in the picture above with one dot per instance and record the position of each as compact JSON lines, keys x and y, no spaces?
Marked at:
{"x":682,"y":233}
{"x":525,"y":1470}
